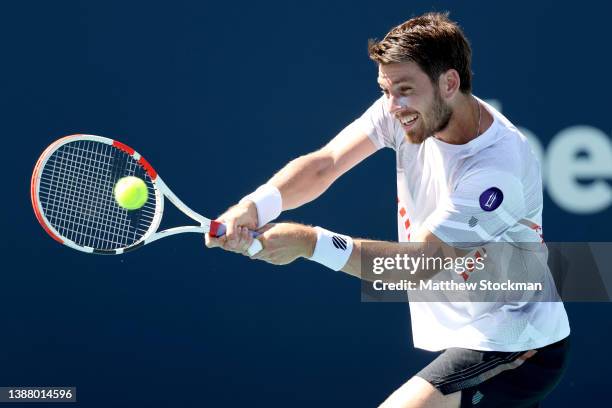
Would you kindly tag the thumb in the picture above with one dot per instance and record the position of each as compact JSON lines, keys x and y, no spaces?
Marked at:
{"x":213,"y":242}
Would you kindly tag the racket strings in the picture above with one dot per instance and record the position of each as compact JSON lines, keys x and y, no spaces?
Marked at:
{"x":93,"y":203}
{"x":76,"y":193}
{"x":84,"y":204}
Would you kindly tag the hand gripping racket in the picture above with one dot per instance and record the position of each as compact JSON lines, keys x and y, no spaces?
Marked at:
{"x":72,"y":195}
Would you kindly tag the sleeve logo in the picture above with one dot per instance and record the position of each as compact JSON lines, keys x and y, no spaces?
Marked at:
{"x":473,"y":221}
{"x":339,"y":242}
{"x":491,"y":198}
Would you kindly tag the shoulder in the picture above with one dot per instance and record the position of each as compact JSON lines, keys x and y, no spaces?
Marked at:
{"x":509,"y":137}
{"x":379,"y":125}
{"x":508,"y":152}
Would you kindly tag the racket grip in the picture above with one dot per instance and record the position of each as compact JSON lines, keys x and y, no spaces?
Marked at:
{"x":218,"y":229}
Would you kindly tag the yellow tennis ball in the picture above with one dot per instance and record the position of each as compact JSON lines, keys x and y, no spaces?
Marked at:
{"x":131,"y":193}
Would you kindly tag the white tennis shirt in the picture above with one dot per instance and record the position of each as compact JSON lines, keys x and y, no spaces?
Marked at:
{"x":485,"y":191}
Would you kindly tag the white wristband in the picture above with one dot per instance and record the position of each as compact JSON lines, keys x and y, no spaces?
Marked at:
{"x":332,"y":250}
{"x":268,"y":201}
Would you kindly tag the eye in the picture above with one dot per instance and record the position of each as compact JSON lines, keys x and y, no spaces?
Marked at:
{"x":405,"y":90}
{"x":384,"y":91}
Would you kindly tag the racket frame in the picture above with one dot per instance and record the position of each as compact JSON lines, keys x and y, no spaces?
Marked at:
{"x":160,"y":188}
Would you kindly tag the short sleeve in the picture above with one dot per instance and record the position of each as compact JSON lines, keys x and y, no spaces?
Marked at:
{"x":377,"y":123}
{"x":482,"y":208}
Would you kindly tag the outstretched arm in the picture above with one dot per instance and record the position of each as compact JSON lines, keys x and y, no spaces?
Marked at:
{"x":299,"y":182}
{"x":307,"y":177}
{"x":285,"y":242}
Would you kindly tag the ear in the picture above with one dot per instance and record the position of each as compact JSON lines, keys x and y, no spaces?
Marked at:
{"x":449,"y":83}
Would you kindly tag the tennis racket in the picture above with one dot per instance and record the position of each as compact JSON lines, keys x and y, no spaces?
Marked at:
{"x":72,"y":196}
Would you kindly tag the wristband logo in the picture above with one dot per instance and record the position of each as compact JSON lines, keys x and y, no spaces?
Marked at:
{"x":339,"y":242}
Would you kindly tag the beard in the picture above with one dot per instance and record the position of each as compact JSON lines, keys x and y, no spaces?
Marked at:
{"x":436,"y":120}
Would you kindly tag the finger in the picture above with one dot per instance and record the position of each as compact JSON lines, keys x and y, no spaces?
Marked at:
{"x":232,"y":248}
{"x":207,"y":241}
{"x":245,"y":239}
{"x":231,"y":232}
{"x":236,"y":244}
{"x":213,"y":242}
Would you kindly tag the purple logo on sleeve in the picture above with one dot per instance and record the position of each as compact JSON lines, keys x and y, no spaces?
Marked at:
{"x":491,"y":199}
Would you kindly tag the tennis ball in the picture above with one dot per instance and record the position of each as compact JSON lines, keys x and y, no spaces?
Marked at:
{"x":131,"y":193}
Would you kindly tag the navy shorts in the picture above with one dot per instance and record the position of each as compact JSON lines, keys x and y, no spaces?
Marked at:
{"x":498,"y":379}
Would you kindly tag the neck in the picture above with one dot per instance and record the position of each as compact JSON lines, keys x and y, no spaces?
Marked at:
{"x":464,"y":124}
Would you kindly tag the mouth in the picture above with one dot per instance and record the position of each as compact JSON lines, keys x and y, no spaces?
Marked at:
{"x":408,"y":121}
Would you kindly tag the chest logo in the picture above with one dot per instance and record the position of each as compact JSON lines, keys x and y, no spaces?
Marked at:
{"x":491,"y":198}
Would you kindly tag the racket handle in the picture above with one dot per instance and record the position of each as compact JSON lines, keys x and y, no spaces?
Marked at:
{"x":218,"y":229}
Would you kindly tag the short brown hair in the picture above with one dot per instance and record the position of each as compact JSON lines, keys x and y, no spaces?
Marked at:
{"x":433,"y":41}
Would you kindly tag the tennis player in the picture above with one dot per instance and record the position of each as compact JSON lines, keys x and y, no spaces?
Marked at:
{"x":464,"y":174}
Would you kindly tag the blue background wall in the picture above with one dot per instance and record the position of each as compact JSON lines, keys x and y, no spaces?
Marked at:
{"x":218,"y":96}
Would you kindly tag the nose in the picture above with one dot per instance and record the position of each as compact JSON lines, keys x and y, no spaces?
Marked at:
{"x":394,"y":103}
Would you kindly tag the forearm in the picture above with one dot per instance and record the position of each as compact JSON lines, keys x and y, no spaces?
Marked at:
{"x":300,"y":181}
{"x":368,"y":249}
{"x":307,"y":177}
{"x":304,"y":179}
{"x":364,"y":250}
{"x":365,"y":259}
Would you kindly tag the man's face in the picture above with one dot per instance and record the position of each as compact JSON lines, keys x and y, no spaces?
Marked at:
{"x":413,"y":100}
